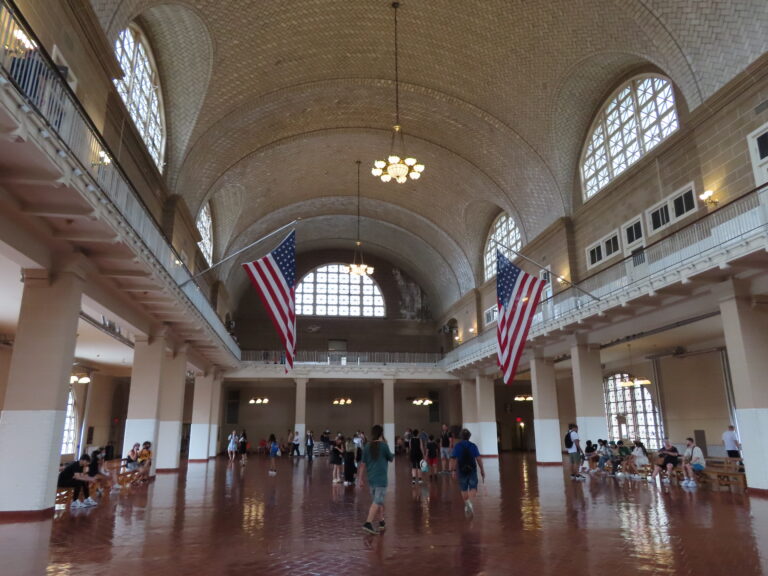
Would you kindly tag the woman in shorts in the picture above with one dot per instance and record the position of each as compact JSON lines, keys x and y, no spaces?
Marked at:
{"x":417,"y":455}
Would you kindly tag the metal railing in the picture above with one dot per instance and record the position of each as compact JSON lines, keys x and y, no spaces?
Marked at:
{"x":31,"y":70}
{"x":696,"y":245}
{"x":337,"y":358}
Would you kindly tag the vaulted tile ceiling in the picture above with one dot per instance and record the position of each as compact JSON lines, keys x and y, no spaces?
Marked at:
{"x":269,"y":104}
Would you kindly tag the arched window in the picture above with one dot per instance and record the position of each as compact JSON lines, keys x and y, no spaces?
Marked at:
{"x":504,"y":235}
{"x":70,"y":426}
{"x":140,"y":90}
{"x":638,"y":116}
{"x":205,"y":227}
{"x":331,"y":291}
{"x":632,"y":413}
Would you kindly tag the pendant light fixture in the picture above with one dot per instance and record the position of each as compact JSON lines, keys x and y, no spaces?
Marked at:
{"x":358,"y":269}
{"x":398,"y":166}
{"x":633,"y":381}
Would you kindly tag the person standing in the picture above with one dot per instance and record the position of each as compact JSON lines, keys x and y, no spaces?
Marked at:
{"x":467,"y":460}
{"x":446,"y":446}
{"x":242,"y":446}
{"x":274,"y":448}
{"x":295,"y":451}
{"x":731,"y":443}
{"x":310,"y":445}
{"x":373,"y":469}
{"x":417,"y":453}
{"x":575,"y":453}
{"x":232,"y":442}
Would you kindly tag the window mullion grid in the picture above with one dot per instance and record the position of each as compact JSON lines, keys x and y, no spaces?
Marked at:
{"x":606,"y":148}
{"x":638,"y":121}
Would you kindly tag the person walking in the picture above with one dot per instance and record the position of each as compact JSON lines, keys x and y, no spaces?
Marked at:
{"x":242,"y":445}
{"x":232,"y":441}
{"x":466,"y":459}
{"x":295,"y":451}
{"x":274,"y":449}
{"x":373,"y":470}
{"x":575,"y":453}
{"x":446,"y":445}
{"x":418,"y":450}
{"x":309,"y":442}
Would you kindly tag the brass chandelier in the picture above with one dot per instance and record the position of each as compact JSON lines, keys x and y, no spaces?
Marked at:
{"x":361,"y":268}
{"x":398,"y":166}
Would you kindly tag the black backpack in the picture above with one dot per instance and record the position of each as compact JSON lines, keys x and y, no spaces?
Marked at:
{"x":466,"y":461}
{"x":568,"y":440}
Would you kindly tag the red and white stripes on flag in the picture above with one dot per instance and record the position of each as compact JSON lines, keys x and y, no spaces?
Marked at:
{"x":274,"y":277}
{"x":517,"y":296}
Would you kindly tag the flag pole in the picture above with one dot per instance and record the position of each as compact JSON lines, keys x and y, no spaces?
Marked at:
{"x":560,"y":278}
{"x":251,"y":245}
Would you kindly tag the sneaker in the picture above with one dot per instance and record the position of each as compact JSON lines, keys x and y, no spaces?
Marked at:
{"x":90,"y":502}
{"x":382,"y":526}
{"x":413,"y":482}
{"x":368,"y":527}
{"x":347,"y":483}
{"x":692,"y":484}
{"x":665,"y":481}
{"x":468,"y":508}
{"x":76,"y":504}
{"x":421,"y":481}
{"x":651,"y":479}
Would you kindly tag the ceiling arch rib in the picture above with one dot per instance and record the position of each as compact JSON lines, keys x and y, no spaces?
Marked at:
{"x":457,"y":131}
{"x":422,"y":262}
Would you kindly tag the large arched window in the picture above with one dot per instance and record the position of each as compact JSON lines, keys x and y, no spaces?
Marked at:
{"x":205,"y":227}
{"x":638,"y":116}
{"x":504,"y":235}
{"x":332,"y":291}
{"x":140,"y":90}
{"x":632,"y":413}
{"x":70,"y":426}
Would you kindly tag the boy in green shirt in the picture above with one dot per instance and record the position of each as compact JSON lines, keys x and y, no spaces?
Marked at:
{"x":373,"y":468}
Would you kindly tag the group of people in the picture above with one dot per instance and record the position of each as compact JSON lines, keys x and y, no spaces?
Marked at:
{"x":238,"y":444}
{"x":631,"y":461}
{"x":93,"y":471}
{"x":428,"y":455}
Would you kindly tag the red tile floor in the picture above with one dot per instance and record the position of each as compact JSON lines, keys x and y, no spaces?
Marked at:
{"x":220,"y":519}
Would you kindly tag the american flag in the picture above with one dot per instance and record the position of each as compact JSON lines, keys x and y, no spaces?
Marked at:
{"x":517,"y":295}
{"x":274,"y":277}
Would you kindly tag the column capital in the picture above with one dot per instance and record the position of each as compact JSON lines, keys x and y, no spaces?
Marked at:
{"x":301,"y":381}
{"x":75,"y":263}
{"x":730,"y":289}
{"x":39,"y":275}
{"x":390,"y":381}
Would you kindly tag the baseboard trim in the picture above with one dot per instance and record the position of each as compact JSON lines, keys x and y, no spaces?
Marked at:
{"x":17,"y":516}
{"x":166,"y":470}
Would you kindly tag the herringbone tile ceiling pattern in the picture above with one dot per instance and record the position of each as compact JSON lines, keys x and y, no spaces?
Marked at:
{"x":270,"y":103}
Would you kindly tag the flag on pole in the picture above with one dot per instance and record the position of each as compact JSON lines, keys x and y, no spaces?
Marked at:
{"x":274,"y":277}
{"x":517,"y":295}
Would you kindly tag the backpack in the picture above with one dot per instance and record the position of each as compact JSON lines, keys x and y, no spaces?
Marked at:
{"x":466,"y":462}
{"x":568,"y":440}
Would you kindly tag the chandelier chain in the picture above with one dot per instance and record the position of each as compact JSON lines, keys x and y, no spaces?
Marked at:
{"x":358,"y":200}
{"x":396,"y":5}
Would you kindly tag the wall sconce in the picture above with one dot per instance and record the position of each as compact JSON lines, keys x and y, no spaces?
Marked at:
{"x":82,"y":378}
{"x":342,"y":401}
{"x":103,"y":159}
{"x":708,"y":198}
{"x":523,"y":398}
{"x":471,"y":329}
{"x":258,"y":401}
{"x":20,"y":45}
{"x":422,"y":401}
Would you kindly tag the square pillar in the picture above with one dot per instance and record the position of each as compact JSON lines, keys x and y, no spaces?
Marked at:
{"x":38,"y":385}
{"x":546,"y":420}
{"x":486,"y":434}
{"x":213,"y":447}
{"x":388,"y":402}
{"x":200,"y":431}
{"x":301,"y":410}
{"x":746,"y":340}
{"x":469,"y":405}
{"x":144,"y":397}
{"x":588,"y":392}
{"x":171,"y":411}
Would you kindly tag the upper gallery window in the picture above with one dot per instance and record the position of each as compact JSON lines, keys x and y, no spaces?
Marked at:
{"x":331,"y":291}
{"x":205,"y":227}
{"x":70,"y":426}
{"x":140,"y":90}
{"x":638,"y":116}
{"x":504,"y":236}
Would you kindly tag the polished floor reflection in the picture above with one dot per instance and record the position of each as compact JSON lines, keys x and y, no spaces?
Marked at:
{"x":218,"y":518}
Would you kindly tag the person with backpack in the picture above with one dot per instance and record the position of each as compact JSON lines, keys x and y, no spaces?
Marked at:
{"x":466,"y":460}
{"x":575,"y":453}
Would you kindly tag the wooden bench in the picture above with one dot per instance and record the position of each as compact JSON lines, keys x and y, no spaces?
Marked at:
{"x":724,"y":474}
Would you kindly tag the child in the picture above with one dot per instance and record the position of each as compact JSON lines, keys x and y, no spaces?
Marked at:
{"x":432,"y":456}
{"x":274,"y":447}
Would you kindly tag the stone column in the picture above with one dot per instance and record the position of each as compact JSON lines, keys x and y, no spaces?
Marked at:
{"x":388,"y":395}
{"x":171,"y":411}
{"x":746,"y":340}
{"x":469,"y":405}
{"x":144,"y":397}
{"x":486,"y":433}
{"x":301,"y":410}
{"x":546,"y":421}
{"x":588,"y":393}
{"x":38,"y":384}
{"x":200,"y":431}
{"x":213,"y":447}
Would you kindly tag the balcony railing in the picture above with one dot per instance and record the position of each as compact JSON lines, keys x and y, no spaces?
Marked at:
{"x":31,"y":70}
{"x":336,"y":358}
{"x":705,"y":243}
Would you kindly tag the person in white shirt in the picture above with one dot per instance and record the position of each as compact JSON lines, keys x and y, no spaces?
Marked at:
{"x":693,"y":461}
{"x":575,"y":452}
{"x":731,"y":443}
